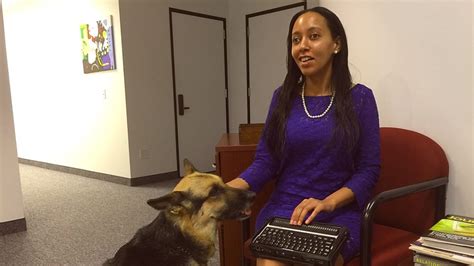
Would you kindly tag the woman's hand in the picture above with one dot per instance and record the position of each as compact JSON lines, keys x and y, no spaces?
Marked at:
{"x":311,"y":205}
{"x":238,"y":183}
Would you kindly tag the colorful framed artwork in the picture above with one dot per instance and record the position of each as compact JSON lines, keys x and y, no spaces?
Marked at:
{"x":98,"y":46}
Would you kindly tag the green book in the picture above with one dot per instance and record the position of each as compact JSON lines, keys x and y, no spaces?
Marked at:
{"x":453,"y":229}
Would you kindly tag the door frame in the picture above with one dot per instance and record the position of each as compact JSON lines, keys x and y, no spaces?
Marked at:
{"x":247,"y":34}
{"x":191,"y":13}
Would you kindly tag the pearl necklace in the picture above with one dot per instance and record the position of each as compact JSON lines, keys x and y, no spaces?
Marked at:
{"x":306,"y":109}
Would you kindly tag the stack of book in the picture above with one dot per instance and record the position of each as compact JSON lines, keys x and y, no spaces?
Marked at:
{"x":449,"y":242}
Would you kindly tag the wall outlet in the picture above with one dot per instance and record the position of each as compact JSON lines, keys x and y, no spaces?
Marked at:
{"x":144,"y":153}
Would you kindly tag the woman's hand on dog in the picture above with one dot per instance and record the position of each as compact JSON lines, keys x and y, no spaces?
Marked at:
{"x":310,"y":205}
{"x":238,"y":183}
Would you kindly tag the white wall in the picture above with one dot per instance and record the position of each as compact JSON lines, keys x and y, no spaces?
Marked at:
{"x":62,"y":116}
{"x":417,"y":57}
{"x":148,"y":78}
{"x":11,"y":201}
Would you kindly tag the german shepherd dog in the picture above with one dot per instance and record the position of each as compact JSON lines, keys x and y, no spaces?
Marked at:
{"x":184,"y":232}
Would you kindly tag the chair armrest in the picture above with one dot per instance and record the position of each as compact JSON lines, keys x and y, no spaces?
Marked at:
{"x":366,"y":230}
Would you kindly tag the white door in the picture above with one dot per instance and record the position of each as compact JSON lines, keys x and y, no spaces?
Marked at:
{"x":200,"y":85}
{"x":267,"y":58}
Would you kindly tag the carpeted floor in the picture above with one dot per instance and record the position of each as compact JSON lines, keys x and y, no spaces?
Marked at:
{"x":76,"y":220}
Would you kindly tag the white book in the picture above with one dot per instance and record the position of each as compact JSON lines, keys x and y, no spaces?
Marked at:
{"x":447,"y":246}
{"x":431,"y":239}
{"x":441,"y":253}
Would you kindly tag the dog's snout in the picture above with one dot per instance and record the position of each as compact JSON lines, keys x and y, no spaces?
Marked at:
{"x":250,"y":195}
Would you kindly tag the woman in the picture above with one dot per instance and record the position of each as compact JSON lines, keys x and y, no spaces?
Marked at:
{"x":321,"y":138}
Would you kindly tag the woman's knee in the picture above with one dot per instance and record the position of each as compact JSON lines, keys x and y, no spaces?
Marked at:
{"x":267,"y":262}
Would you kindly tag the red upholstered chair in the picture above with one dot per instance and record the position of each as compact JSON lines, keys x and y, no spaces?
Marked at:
{"x":408,"y":198}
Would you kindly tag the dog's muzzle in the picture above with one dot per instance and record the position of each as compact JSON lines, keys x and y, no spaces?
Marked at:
{"x":249,"y":198}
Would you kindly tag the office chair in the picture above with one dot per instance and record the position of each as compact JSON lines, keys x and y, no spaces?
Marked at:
{"x":409,"y":198}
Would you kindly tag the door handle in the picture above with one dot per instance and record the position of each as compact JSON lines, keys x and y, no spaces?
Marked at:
{"x":181,"y":106}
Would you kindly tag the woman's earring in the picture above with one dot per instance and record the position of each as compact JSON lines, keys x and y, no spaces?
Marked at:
{"x":300,"y":80}
{"x":336,"y":51}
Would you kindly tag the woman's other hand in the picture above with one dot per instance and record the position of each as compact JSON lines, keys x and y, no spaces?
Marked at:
{"x":313,"y":206}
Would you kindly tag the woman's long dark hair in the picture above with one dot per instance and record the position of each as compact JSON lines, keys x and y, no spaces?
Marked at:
{"x":347,"y":128}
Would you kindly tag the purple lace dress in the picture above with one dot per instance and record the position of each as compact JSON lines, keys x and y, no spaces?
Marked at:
{"x":311,"y":168}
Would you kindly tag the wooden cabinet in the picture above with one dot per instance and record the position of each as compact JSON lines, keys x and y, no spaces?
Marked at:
{"x":232,"y":158}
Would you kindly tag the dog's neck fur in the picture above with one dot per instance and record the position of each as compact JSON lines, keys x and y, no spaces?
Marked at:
{"x":204,"y":238}
{"x":208,"y":231}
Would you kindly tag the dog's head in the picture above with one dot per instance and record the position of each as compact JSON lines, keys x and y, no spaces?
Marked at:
{"x":202,"y":197}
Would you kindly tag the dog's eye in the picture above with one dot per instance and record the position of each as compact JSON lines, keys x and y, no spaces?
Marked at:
{"x":214,"y":191}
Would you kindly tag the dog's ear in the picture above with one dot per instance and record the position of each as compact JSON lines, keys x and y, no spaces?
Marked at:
{"x":188,"y":167}
{"x":172,"y":199}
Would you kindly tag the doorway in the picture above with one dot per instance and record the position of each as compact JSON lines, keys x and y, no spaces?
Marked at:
{"x":199,"y":67}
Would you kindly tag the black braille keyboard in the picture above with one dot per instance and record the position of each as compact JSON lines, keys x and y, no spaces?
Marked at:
{"x":313,"y":244}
